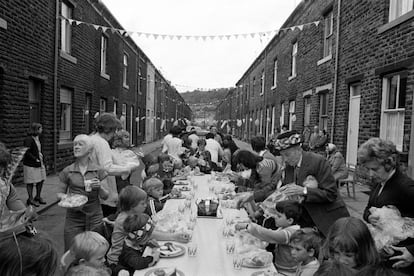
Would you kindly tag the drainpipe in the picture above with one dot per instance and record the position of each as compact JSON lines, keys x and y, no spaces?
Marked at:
{"x":55,"y":78}
{"x":338,"y":17}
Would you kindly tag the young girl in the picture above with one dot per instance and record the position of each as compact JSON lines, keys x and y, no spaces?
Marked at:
{"x":89,"y":248}
{"x":350,"y":242}
{"x":139,"y":251}
{"x":133,"y":200}
{"x":73,"y":179}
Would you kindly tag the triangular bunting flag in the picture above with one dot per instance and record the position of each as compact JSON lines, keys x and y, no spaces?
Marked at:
{"x":236,"y":36}
{"x":253,"y":35}
{"x":316,"y":23}
{"x":70,"y":21}
{"x":228,"y":37}
{"x":139,"y":34}
{"x":212,"y":37}
{"x":96,"y":27}
{"x":171,"y":37}
{"x":292,"y":28}
{"x":179,"y":37}
{"x":220,"y":37}
{"x":163,"y":37}
{"x":155,"y":36}
{"x":269,"y":33}
{"x":188,"y":37}
{"x":113,"y":30}
{"x":129,"y":33}
{"x":196,"y":37}
{"x":204,"y":37}
{"x":104,"y":29}
{"x":300,"y":27}
{"x":78,"y":22}
{"x":147,"y":35}
{"x":244,"y":35}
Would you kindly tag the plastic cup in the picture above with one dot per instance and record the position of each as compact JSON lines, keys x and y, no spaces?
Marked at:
{"x":192,"y":249}
{"x":181,"y":208}
{"x":230,"y":244}
{"x":237,"y":262}
{"x":88,"y":184}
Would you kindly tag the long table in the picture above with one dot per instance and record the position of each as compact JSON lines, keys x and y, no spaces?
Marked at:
{"x":211,"y":258}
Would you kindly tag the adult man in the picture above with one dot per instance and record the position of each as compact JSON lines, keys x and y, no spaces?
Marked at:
{"x":323,"y":204}
{"x":217,"y":136}
{"x":215,"y":150}
{"x":258,"y":144}
{"x":194,"y":138}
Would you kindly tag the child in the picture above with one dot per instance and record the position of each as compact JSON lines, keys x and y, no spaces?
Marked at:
{"x":73,"y":180}
{"x":331,"y":267}
{"x":89,"y":248}
{"x":192,"y":166}
{"x":154,"y":189}
{"x":85,"y":270}
{"x":165,"y":172}
{"x":378,"y":270}
{"x":133,"y":200}
{"x":139,"y":251}
{"x":350,"y":242}
{"x":204,"y":156}
{"x":178,"y":167}
{"x":305,"y":250}
{"x":289,"y":212}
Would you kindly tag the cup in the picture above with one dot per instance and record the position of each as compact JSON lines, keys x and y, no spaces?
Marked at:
{"x":187,"y":203}
{"x":230,"y":244}
{"x":226,"y":232}
{"x":181,"y":208}
{"x":88,"y":184}
{"x":237,"y":262}
{"x":192,"y":249}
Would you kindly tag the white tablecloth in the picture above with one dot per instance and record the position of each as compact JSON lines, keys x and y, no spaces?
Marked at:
{"x":211,"y":258}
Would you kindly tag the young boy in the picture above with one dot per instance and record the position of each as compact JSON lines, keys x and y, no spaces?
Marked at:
{"x":165,"y":172}
{"x":154,"y":189}
{"x":139,"y":250}
{"x":192,"y":165}
{"x":289,"y":212}
{"x":305,"y":250}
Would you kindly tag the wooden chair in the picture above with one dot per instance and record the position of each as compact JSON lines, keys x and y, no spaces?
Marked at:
{"x":348,"y":181}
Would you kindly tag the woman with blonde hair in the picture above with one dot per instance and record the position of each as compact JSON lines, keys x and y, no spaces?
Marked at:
{"x":337,"y":162}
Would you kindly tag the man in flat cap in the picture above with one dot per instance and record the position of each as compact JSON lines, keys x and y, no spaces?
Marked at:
{"x":308,"y":176}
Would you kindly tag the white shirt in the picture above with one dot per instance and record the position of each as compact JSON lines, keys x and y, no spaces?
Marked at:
{"x":194,"y":139}
{"x":174,"y":147}
{"x":164,"y":142}
{"x":215,"y":149}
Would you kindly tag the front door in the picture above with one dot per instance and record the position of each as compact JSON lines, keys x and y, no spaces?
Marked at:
{"x":353,"y":124}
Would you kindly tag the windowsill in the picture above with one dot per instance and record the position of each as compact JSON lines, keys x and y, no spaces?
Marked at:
{"x":105,"y":76}
{"x":325,"y":59}
{"x":65,"y":145}
{"x":125,"y":86}
{"x":273,"y":87}
{"x":397,"y":21}
{"x":68,"y":57}
{"x":291,"y":77}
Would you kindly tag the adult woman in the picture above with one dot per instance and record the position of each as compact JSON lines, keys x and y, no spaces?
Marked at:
{"x":337,"y":162}
{"x":106,"y":126}
{"x":33,"y":166}
{"x":122,"y":155}
{"x":229,"y":148}
{"x":73,"y":179}
{"x":380,"y":157}
{"x":263,"y":172}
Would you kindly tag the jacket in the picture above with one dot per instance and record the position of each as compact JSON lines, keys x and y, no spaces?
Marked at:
{"x":32,"y":155}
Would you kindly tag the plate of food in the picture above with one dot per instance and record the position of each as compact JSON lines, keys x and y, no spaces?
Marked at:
{"x":181,"y":182}
{"x":72,"y":200}
{"x":164,"y":271}
{"x":171,"y":250}
{"x":184,"y":188}
{"x":198,"y":174}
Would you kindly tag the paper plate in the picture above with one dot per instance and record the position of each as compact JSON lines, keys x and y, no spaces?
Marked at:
{"x":151,"y":271}
{"x":73,"y":201}
{"x":265,"y":273}
{"x":168,"y":254}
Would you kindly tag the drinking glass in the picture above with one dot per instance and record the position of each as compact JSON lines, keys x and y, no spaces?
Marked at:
{"x":192,"y":249}
{"x":181,"y":208}
{"x":237,"y":261}
{"x":187,"y":203}
{"x":230,"y":244}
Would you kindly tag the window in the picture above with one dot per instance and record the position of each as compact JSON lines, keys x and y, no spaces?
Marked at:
{"x":140,"y":80}
{"x":102,"y":105}
{"x":328,"y":31}
{"x":148,"y":88}
{"x":115,"y":107}
{"x":104,"y":53}
{"x":66,"y":28}
{"x":65,"y":131}
{"x":323,"y":111}
{"x":399,"y":7}
{"x":35,"y":90}
{"x":261,"y":122}
{"x":124,"y":115}
{"x":87,"y":113}
{"x":262,"y":87}
{"x":393,"y":109}
{"x":125,"y":71}
{"x":274,"y":85}
{"x":292,"y":116}
{"x":282,"y":114}
{"x":138,"y":120}
{"x":307,"y":110}
{"x":254,"y":84}
{"x":293,"y":59}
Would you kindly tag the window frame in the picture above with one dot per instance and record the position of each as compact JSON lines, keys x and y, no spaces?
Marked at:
{"x":66,"y":27}
{"x":306,"y":115}
{"x":327,"y":41}
{"x":292,"y":111}
{"x":262,"y":81}
{"x":293,"y":66}
{"x":323,"y":117}
{"x":125,"y":62}
{"x":275,"y":67}
{"x":104,"y":56}
{"x":393,"y":13}
{"x":66,"y":120}
{"x":103,"y":105}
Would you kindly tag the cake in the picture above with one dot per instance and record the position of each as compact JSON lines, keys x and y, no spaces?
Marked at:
{"x":207,"y":207}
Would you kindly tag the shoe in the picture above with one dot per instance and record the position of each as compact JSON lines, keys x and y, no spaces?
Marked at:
{"x":40,"y":200}
{"x":32,"y":202}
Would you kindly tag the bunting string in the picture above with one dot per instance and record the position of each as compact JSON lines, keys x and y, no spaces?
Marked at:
{"x":183,"y":37}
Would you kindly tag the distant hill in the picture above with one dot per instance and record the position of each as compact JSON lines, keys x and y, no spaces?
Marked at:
{"x":204,"y":104}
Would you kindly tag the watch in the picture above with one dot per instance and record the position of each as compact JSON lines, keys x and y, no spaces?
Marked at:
{"x":305,"y":191}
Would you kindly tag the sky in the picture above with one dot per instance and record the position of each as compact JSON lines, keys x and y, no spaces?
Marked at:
{"x":209,"y":64}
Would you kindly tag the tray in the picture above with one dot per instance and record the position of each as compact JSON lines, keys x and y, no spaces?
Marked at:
{"x":180,"y":252}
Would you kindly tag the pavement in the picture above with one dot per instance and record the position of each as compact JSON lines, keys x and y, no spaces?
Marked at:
{"x":50,"y":186}
{"x":355,"y":205}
